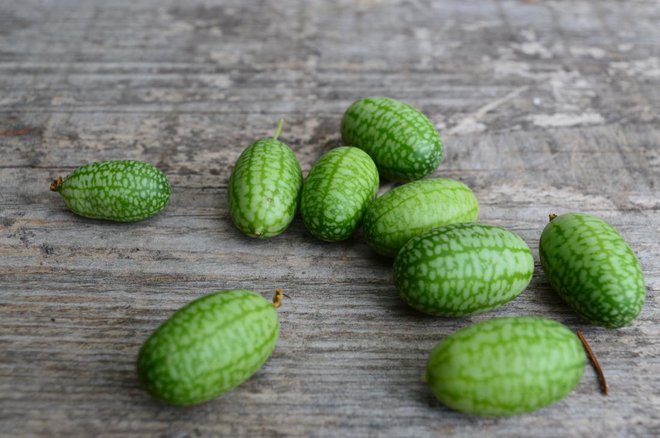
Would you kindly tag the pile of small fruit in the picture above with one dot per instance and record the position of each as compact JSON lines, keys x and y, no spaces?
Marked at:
{"x":445,"y":264}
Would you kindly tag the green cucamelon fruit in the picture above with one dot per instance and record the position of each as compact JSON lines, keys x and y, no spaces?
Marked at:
{"x":408,"y":210}
{"x":402,"y":141}
{"x":593,"y":269}
{"x":208,"y":347}
{"x":505,"y":366}
{"x":460,"y":269}
{"x":336,"y":193}
{"x":264,"y":188}
{"x":116,"y":190}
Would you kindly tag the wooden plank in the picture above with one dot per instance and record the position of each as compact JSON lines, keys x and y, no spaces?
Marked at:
{"x":543,"y":106}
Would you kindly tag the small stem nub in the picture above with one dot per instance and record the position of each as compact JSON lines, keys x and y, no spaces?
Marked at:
{"x":278,"y":297}
{"x":594,"y":361}
{"x":56,"y":184}
{"x":279,"y":129}
{"x":551,"y":217}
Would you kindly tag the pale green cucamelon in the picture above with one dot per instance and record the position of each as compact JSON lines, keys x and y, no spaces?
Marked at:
{"x":264,"y":188}
{"x":117,"y":190}
{"x":408,"y":210}
{"x":460,"y":269}
{"x":593,"y":269}
{"x":403,"y":143}
{"x":208,"y":347}
{"x":505,"y":366}
{"x":336,"y":193}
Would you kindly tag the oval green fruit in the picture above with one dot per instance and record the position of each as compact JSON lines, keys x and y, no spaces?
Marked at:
{"x":505,"y":366}
{"x":117,"y":190}
{"x":460,"y":269}
{"x":208,"y":347}
{"x":336,"y":192}
{"x":593,"y":269}
{"x":408,"y":210}
{"x":264,"y":188}
{"x":402,"y":141}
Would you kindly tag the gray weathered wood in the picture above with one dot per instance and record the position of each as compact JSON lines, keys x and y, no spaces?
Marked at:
{"x":543,"y":106}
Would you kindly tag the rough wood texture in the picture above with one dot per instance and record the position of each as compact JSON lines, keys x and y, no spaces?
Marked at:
{"x":544,"y":106}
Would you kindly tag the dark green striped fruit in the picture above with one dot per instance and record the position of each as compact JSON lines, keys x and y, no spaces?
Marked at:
{"x":392,"y":219}
{"x":506,"y":366}
{"x":593,"y":269}
{"x":264,"y":188}
{"x":403,"y":143}
{"x":208,"y":347}
{"x":459,"y":269}
{"x":336,"y":192}
{"x":120,"y":190}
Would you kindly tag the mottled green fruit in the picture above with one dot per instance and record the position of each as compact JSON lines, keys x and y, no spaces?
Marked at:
{"x":120,"y":190}
{"x":403,"y":143}
{"x":398,"y":215}
{"x":336,"y":193}
{"x":264,"y":188}
{"x":459,"y":269}
{"x":208,"y":347}
{"x":593,"y":269}
{"x":506,"y":366}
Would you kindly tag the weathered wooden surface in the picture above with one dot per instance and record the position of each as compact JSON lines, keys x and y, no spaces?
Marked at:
{"x":545,"y":106}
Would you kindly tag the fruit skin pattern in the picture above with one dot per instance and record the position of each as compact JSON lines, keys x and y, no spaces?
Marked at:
{"x":408,"y":210}
{"x":505,"y":366}
{"x":208,"y":347}
{"x":403,"y":143}
{"x":117,"y":190}
{"x":593,"y":269}
{"x":336,"y":193}
{"x":264,"y":188}
{"x":460,"y":269}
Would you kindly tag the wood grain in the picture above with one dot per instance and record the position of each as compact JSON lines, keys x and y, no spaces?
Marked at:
{"x":543,"y":107}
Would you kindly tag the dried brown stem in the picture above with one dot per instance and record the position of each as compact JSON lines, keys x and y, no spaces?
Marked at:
{"x":551,"y":217}
{"x":278,"y":297}
{"x":594,"y":361}
{"x":56,"y":184}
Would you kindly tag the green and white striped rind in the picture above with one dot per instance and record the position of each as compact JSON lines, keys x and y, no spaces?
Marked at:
{"x":406,"y":211}
{"x":264,"y":188}
{"x":336,"y":193}
{"x":593,"y":269}
{"x":460,"y":269}
{"x":208,"y":347}
{"x":402,"y":141}
{"x":117,"y":190}
{"x":505,"y":366}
